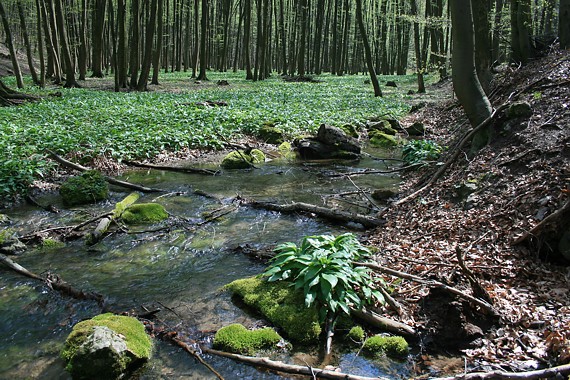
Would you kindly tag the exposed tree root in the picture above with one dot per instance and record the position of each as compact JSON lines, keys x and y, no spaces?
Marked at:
{"x":559,"y":372}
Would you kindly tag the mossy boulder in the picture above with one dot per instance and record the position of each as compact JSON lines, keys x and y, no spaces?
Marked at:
{"x":416,"y":129}
{"x":519,"y":109}
{"x":106,"y":347}
{"x":286,"y":151}
{"x":144,"y":213}
{"x":383,"y":126}
{"x":9,"y":243}
{"x":89,"y":187}
{"x":270,"y":134}
{"x":394,"y":346}
{"x":236,"y":338}
{"x":356,"y":334}
{"x":242,"y":160}
{"x":383,"y":140}
{"x":282,"y":305}
{"x":51,"y":244}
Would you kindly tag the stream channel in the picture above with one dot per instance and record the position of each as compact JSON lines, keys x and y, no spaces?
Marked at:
{"x":179,"y":271}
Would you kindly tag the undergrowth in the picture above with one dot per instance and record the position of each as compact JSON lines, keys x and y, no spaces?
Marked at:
{"x":132,"y":125}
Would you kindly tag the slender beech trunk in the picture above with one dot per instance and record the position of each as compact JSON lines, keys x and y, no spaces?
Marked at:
{"x":65,"y":48}
{"x":40,"y":45}
{"x":159,"y":38}
{"x":11,"y":48}
{"x":97,"y":28}
{"x":82,"y":55}
{"x":134,"y":45}
{"x":203,"y":47}
{"x":483,"y":58}
{"x":24,"y":28}
{"x":149,"y":37}
{"x":419,"y":64}
{"x":247,"y":39}
{"x":367,"y":51}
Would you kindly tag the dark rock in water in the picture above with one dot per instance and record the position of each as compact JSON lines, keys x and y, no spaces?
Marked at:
{"x":519,"y":109}
{"x":89,"y":187}
{"x":383,"y":194}
{"x":10,"y":244}
{"x":336,"y":137}
{"x":391,"y":83}
{"x":416,"y":129}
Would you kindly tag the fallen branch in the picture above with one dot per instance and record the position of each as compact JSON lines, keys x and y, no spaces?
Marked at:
{"x":328,"y":213}
{"x":111,"y":180}
{"x":384,"y":323}
{"x":289,"y":368}
{"x":434,"y":284}
{"x":374,"y":171}
{"x":559,"y":372}
{"x":53,"y":282}
{"x":454,"y":156}
{"x":549,"y":219}
{"x":173,"y":168}
{"x":103,"y":226}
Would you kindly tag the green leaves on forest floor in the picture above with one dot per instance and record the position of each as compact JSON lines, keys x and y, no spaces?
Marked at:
{"x":92,"y":123}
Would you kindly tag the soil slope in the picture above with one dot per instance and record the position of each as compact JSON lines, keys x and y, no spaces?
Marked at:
{"x":516,"y":182}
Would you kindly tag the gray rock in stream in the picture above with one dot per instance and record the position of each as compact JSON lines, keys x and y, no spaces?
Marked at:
{"x":10,"y":244}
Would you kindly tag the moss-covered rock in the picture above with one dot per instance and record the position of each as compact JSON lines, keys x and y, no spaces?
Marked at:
{"x":236,"y":338}
{"x":144,"y":213}
{"x":9,"y":242}
{"x":519,"y":109}
{"x":51,"y":244}
{"x":383,"y":140}
{"x":394,"y":346}
{"x":105,"y":347}
{"x":270,"y":134}
{"x":383,"y":126}
{"x":356,"y":334}
{"x":286,"y":151}
{"x":257,"y":156}
{"x":237,"y":160}
{"x":89,"y":187}
{"x":282,"y":305}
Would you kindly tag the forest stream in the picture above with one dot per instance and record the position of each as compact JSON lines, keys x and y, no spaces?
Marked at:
{"x":179,"y":270}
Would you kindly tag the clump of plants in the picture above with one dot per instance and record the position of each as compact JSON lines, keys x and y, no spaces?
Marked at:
{"x":236,"y":338}
{"x":356,"y":334}
{"x":322,"y":267}
{"x":419,"y":151}
{"x":395,"y":346}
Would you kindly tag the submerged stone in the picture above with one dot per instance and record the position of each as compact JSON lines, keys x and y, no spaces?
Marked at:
{"x":144,"y":213}
{"x":89,"y":187}
{"x":394,"y":346}
{"x":236,"y":338}
{"x":282,"y":305}
{"x":106,"y":347}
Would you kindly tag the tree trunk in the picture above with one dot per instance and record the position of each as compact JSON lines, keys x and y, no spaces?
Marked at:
{"x":419,"y":65}
{"x":564,"y":24}
{"x":40,"y":44}
{"x":481,"y":11}
{"x":134,"y":45}
{"x":65,"y":48}
{"x":367,"y":52}
{"x":97,"y":28}
{"x":10,"y":42}
{"x":24,"y":28}
{"x":520,"y":31}
{"x":159,"y":38}
{"x":465,"y":81}
{"x":203,"y":47}
{"x":247,"y":38}
{"x":149,"y":37}
{"x":496,"y":52}
{"x":302,"y":38}
{"x":82,"y":55}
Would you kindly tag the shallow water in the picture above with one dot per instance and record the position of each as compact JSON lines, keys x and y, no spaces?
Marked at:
{"x":179,"y":270}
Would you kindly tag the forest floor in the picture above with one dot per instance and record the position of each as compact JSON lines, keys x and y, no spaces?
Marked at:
{"x":516,"y":182}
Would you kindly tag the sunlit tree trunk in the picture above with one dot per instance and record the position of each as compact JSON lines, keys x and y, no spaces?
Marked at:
{"x":24,"y":28}
{"x":367,"y":51}
{"x":203,"y":36}
{"x":481,"y":11}
{"x":40,"y":44}
{"x":419,"y":65}
{"x":11,"y":48}
{"x":159,"y":38}
{"x":65,"y":48}
{"x":149,"y":38}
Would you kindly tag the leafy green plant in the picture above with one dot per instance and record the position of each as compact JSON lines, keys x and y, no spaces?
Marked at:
{"x":322,"y":266}
{"x":418,"y":151}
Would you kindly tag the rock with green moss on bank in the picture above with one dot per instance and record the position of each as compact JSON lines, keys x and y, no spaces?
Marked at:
{"x":9,"y":243}
{"x":356,"y":334}
{"x":106,"y":347}
{"x":237,"y":339}
{"x":89,"y":187}
{"x":270,"y":134}
{"x":393,"y":346}
{"x":242,"y":160}
{"x":282,"y":305}
{"x":144,"y":213}
{"x":383,"y":140}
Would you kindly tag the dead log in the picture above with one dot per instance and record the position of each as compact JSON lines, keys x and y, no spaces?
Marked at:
{"x":103,"y":225}
{"x":111,"y":180}
{"x":289,"y":368}
{"x":435,"y":284}
{"x":54,"y":282}
{"x":384,"y":323}
{"x":327,"y":213}
{"x":173,"y":168}
{"x":559,"y":372}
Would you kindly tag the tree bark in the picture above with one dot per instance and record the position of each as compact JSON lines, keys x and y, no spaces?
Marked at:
{"x":203,"y":39}
{"x":465,"y":81}
{"x":419,"y":56}
{"x":33,"y":72}
{"x":97,"y":28}
{"x":10,"y":42}
{"x":65,"y":48}
{"x":149,"y":37}
{"x":40,"y":44}
{"x":564,"y":24}
{"x":367,"y":50}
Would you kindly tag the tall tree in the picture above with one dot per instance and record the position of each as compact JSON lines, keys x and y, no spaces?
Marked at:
{"x":97,"y":29}
{"x":70,"y":80}
{"x":149,"y":37}
{"x":203,"y":39}
{"x":564,"y":24}
{"x":367,"y":50}
{"x":483,"y":57}
{"x":464,"y":74}
{"x":40,"y":44}
{"x":521,"y":26}
{"x":247,"y":38}
{"x":24,"y":28}
{"x":134,"y":45}
{"x":303,"y":26}
{"x":12,"y":49}
{"x":159,"y":38}
{"x":419,"y":55}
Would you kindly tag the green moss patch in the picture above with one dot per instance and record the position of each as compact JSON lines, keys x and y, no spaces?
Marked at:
{"x":89,"y":187}
{"x":394,"y":346}
{"x":356,"y":334}
{"x":383,"y":140}
{"x":236,"y":338}
{"x":270,"y":134}
{"x":144,"y":213}
{"x":281,"y":305}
